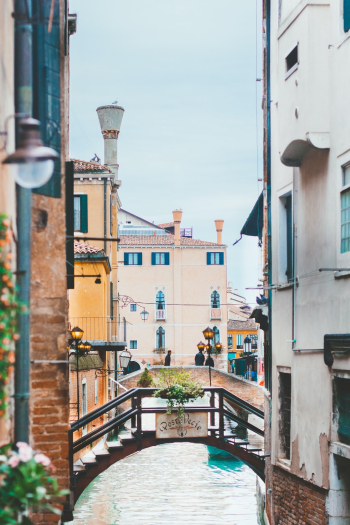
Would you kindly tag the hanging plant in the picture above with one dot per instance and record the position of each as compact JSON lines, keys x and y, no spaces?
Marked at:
{"x":26,"y":484}
{"x":178,"y":388}
{"x":9,"y":308}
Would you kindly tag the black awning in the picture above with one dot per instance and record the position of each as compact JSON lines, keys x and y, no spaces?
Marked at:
{"x":254,"y":224}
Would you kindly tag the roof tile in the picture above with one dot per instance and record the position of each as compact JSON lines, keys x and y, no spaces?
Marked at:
{"x":82,"y":166}
{"x":162,"y":240}
{"x":80,"y":247}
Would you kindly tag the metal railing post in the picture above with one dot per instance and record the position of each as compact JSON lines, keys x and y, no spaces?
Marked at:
{"x":139,"y":414}
{"x":212,"y":414}
{"x":221,"y":414}
{"x":133,"y":419}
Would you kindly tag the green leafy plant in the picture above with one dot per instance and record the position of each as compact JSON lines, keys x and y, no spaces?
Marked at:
{"x":25,"y":484}
{"x":146,"y":380}
{"x":178,"y":388}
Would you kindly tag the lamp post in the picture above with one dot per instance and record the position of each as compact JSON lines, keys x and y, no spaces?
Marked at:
{"x":124,"y":359}
{"x":32,"y":163}
{"x":208,"y":335}
{"x":80,"y":348}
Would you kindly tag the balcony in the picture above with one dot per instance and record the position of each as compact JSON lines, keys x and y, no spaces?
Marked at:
{"x":99,"y":331}
{"x":160,"y":315}
{"x":215,"y":314}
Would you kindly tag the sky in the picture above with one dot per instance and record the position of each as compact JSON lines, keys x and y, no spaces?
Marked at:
{"x":191,"y":138}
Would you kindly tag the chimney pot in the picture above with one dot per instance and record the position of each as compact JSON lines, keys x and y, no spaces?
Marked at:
{"x":219,"y":226}
{"x":110,"y":118}
{"x":177,"y":216}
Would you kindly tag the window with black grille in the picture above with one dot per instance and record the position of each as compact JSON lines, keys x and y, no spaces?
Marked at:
{"x":285,"y":394}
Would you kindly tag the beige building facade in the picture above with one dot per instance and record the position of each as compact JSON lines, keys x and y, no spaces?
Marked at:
{"x":180,"y":282}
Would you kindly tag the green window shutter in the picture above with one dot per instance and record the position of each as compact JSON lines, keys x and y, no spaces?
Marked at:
{"x":208,"y":257}
{"x":153,"y":258}
{"x":139,"y":259}
{"x":221,"y":259}
{"x":70,"y":224}
{"x":166,"y":258}
{"x":83,"y":213}
{"x":47,"y":86}
{"x":346,"y":15}
{"x":126,"y":259}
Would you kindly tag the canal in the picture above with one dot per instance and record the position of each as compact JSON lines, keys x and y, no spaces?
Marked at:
{"x":171,"y":484}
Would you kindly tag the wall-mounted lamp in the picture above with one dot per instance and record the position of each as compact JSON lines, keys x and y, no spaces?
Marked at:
{"x":32,"y":163}
{"x":144,"y":315}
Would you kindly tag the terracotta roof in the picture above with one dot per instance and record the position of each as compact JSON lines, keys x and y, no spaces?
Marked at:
{"x":162,"y":240}
{"x":242,"y":325}
{"x":81,"y":166}
{"x":80,"y":247}
{"x":166,"y":225}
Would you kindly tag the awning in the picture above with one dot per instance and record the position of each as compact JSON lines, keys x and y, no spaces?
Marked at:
{"x":254,"y":224}
{"x":86,"y":362}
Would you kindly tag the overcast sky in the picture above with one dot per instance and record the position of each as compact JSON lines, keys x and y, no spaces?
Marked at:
{"x":185,"y":72}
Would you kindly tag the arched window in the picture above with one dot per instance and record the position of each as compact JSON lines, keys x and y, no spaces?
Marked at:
{"x":216,"y":335}
{"x":160,"y":301}
{"x":215,"y":299}
{"x":160,"y":338}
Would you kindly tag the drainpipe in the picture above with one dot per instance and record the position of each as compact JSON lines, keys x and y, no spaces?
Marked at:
{"x":23,"y":105}
{"x":105,"y":213}
{"x":268,"y":176}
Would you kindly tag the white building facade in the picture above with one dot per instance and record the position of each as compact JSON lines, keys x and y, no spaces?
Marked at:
{"x":309,"y":402}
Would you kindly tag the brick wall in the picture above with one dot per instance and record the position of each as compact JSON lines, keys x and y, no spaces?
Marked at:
{"x":297,"y":502}
{"x":247,"y":390}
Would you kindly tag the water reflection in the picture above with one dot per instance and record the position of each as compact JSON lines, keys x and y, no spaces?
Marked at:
{"x":171,"y":484}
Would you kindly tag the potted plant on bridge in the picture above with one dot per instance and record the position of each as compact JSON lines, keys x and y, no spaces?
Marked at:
{"x":146,"y":380}
{"x":178,"y":388}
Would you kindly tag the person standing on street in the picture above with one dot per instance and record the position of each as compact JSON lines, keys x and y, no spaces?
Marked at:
{"x":167,"y":358}
{"x":199,"y":358}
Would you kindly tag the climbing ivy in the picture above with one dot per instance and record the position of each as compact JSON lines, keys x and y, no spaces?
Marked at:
{"x":9,"y":308}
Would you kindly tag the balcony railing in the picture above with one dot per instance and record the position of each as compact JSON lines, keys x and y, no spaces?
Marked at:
{"x":161,"y":315}
{"x":96,"y":328}
{"x":215,"y":314}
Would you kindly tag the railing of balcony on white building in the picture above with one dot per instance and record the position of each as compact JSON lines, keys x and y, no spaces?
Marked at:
{"x":215,"y":314}
{"x":96,"y":328}
{"x":160,"y":315}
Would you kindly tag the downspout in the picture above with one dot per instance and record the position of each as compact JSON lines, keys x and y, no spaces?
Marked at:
{"x":268,"y":181}
{"x":105,"y":213}
{"x":23,"y":106}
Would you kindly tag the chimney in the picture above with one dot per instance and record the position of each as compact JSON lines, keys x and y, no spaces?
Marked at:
{"x":110,"y":118}
{"x":229,"y":287}
{"x":219,"y":225}
{"x":177,"y":215}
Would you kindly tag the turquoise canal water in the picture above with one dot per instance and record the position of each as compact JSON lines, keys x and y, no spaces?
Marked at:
{"x":175,"y":484}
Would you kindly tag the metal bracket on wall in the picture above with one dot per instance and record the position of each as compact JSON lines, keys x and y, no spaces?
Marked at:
{"x":59,"y":361}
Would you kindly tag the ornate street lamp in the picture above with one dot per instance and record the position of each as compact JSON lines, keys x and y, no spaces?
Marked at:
{"x":247,"y":344}
{"x":77,"y":333}
{"x":208,"y":333}
{"x":124,"y":359}
{"x":144,"y":315}
{"x":218,"y":347}
{"x":32,"y":163}
{"x":201,"y":346}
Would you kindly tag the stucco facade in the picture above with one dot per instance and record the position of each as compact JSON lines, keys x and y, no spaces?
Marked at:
{"x":187,"y":282}
{"x":310,"y":153}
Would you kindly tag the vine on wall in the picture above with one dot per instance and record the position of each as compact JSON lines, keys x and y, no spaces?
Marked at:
{"x":9,"y":308}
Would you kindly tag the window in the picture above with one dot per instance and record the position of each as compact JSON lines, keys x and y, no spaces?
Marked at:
{"x":133,"y":259}
{"x":84,"y":398}
{"x":133,"y":307}
{"x":160,"y":258}
{"x":216,"y":335}
{"x":230,"y":340}
{"x":346,"y":15}
{"x":160,"y":338}
{"x":345,"y":212}
{"x":80,"y":213}
{"x":215,"y":258}
{"x":96,"y":392}
{"x":215,"y":300}
{"x":133,"y":345}
{"x":239,"y":341}
{"x":292,"y":61}
{"x":286,"y":270}
{"x":285,"y":405}
{"x":342,"y":391}
{"x":160,"y":301}
{"x":254,"y":338}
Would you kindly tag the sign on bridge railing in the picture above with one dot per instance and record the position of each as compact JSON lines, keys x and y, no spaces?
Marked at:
{"x":191,"y":425}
